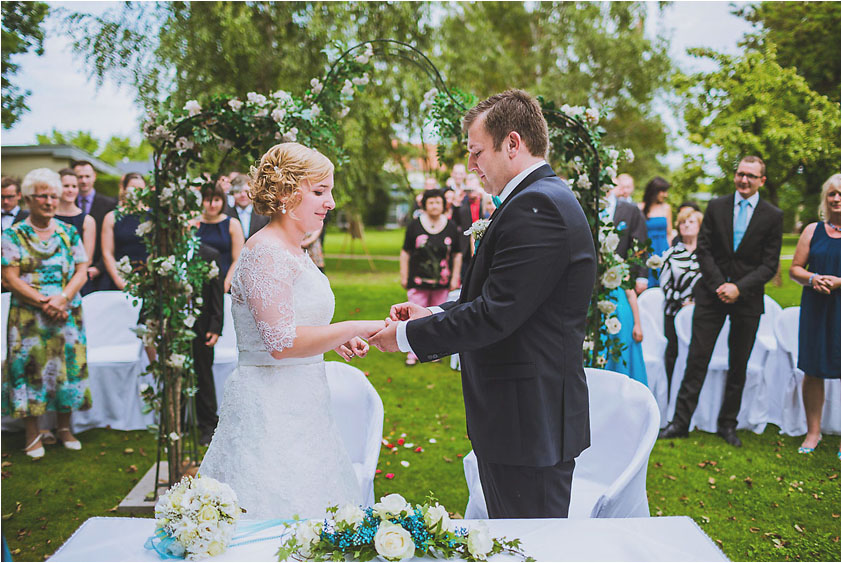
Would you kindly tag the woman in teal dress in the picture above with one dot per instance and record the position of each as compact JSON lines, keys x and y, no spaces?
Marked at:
{"x":44,"y":264}
{"x":658,"y":215}
{"x":630,"y":362}
{"x":816,"y":266}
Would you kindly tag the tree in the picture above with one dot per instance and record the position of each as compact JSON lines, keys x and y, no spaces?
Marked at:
{"x":114,"y":150}
{"x":21,"y":31}
{"x":807,"y":36}
{"x":751,"y":105}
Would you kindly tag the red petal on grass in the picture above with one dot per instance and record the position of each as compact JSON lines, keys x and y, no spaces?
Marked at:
{"x":419,"y":449}
{"x":378,"y":471}
{"x":390,"y":475}
{"x":401,"y":441}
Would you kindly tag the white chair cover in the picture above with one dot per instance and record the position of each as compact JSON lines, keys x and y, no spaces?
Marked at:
{"x":654,"y":345}
{"x":754,"y":406}
{"x":784,"y":380}
{"x":358,"y":414}
{"x":609,"y":480}
{"x":225,"y":353}
{"x":652,"y":301}
{"x":455,"y":362}
{"x":5,"y":300}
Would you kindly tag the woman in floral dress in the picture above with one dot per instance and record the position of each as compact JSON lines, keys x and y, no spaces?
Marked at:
{"x":44,"y":264}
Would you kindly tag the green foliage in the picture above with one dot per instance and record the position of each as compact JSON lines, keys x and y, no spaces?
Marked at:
{"x":81,"y":139}
{"x":116,"y":149}
{"x":751,"y":105}
{"x":21,"y":31}
{"x":807,"y":36}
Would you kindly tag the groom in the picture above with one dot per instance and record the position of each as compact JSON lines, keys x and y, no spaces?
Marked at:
{"x":520,"y":321}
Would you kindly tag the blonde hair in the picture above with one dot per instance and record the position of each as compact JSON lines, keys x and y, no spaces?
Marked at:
{"x":830,"y":183}
{"x":276,"y":180}
{"x":686,"y":213}
{"x":41,"y":177}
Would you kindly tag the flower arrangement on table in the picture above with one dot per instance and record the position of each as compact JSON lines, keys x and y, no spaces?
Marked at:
{"x":195,"y":519}
{"x":393,"y":530}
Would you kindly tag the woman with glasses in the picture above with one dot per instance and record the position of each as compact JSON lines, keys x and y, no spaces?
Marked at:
{"x":44,"y":264}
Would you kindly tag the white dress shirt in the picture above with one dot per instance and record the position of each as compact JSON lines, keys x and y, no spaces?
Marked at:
{"x":403,"y":341}
{"x":244,"y":214}
{"x":752,"y":205}
{"x":9,"y":218}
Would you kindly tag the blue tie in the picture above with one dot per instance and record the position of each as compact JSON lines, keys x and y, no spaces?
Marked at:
{"x":497,"y":201}
{"x":740,"y":225}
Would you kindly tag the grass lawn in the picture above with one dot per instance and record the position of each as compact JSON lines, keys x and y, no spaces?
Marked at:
{"x":763,"y":502}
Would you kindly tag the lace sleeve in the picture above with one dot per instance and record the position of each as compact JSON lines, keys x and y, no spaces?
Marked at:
{"x":266,"y":276}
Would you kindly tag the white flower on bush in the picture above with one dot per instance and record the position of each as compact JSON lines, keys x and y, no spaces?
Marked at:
{"x":600,"y":361}
{"x":654,"y":262}
{"x":572,"y":111}
{"x":591,"y":116}
{"x":587,"y":345}
{"x":254,"y":98}
{"x":167,"y":193}
{"x":479,"y":541}
{"x":344,"y":112}
{"x":613,"y":155}
{"x":583,"y":182}
{"x":612,"y":173}
{"x":177,"y":361}
{"x":436,"y":514}
{"x":363,"y":58}
{"x":314,"y":111}
{"x":349,"y":514}
{"x":262,"y":113}
{"x":174,"y":437}
{"x":613,"y":325}
{"x":184,"y":144}
{"x":291,"y":135}
{"x":361,"y":80}
{"x":609,"y":245}
{"x":225,"y":145}
{"x":391,"y":506}
{"x":124,"y":266}
{"x":628,"y":154}
{"x":189,"y":321}
{"x":282,"y":96}
{"x":606,"y":307}
{"x":235,"y":104}
{"x":192,"y":107}
{"x":315,"y":85}
{"x":306,"y":534}
{"x":279,"y":114}
{"x":213,"y":272}
{"x":612,"y":277}
{"x":143,"y":228}
{"x":393,"y":543}
{"x":347,"y":88}
{"x":166,"y":266}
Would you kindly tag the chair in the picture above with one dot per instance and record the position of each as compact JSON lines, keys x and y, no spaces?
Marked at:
{"x":652,"y":301}
{"x":358,"y":414}
{"x":654,"y":345}
{"x":114,"y":363}
{"x":753,"y":412}
{"x":225,"y":353}
{"x":784,"y":381}
{"x":6,"y":300}
{"x":610,"y":476}
{"x":455,"y":360}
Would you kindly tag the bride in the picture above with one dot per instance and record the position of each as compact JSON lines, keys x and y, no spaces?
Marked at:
{"x":276,"y":444}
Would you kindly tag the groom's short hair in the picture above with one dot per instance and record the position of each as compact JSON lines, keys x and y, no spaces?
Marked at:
{"x":512,"y":110}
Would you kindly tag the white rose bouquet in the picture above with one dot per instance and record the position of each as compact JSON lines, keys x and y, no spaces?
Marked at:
{"x":195,"y":519}
{"x":392,"y":530}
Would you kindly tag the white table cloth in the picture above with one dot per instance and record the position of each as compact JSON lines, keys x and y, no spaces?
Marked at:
{"x":675,"y":538}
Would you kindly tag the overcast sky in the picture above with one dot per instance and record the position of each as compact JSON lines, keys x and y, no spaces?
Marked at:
{"x":63,"y":97}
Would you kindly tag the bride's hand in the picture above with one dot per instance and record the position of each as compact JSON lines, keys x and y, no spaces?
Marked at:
{"x":407,"y":312}
{"x":367,"y":329}
{"x":356,"y":347}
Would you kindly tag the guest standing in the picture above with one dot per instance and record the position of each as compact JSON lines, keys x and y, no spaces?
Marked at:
{"x":431,"y":259}
{"x":97,"y":206}
{"x":119,"y":236}
{"x":243,"y":209}
{"x":70,"y":213}
{"x":12,"y":212}
{"x":43,"y":263}
{"x":678,"y":278}
{"x":630,"y":361}
{"x":658,"y":216}
{"x":222,"y":232}
{"x":739,"y":250}
{"x":631,"y":227}
{"x":816,"y":266}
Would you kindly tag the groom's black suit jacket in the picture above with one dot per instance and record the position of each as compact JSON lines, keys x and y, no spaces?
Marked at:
{"x":519,"y":326}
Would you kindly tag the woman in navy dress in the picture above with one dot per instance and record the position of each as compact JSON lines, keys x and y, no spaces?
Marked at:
{"x":816,"y":266}
{"x":70,"y":213}
{"x":119,"y":237}
{"x":658,"y":215}
{"x":220,"y":231}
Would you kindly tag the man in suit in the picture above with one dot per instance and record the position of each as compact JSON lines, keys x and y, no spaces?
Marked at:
{"x":738,"y":250}
{"x":243,"y":208}
{"x":96,"y":205}
{"x":519,"y":323}
{"x":12,"y":212}
{"x":630,"y":224}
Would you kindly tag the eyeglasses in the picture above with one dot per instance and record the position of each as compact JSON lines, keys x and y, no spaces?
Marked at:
{"x":748,"y":176}
{"x":44,"y":197}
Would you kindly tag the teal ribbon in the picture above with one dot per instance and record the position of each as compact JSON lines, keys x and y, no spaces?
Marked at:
{"x":165,"y":545}
{"x":244,"y":531}
{"x":497,"y":201}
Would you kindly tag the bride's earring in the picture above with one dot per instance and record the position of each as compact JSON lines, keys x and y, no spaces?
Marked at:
{"x":284,"y":208}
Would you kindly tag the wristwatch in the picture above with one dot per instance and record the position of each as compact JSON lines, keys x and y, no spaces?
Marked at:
{"x":66,"y":298}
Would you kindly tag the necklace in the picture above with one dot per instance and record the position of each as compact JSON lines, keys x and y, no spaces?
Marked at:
{"x":834,"y":227}
{"x":46,"y":229}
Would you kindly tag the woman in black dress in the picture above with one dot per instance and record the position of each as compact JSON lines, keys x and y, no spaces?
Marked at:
{"x":69,"y":212}
{"x":119,"y":236}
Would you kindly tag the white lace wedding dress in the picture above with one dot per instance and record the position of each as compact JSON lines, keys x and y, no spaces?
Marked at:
{"x":276,"y":443}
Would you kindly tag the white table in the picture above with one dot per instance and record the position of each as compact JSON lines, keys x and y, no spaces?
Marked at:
{"x":675,"y":538}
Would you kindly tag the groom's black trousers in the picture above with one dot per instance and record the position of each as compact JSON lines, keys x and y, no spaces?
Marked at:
{"x":514,"y":491}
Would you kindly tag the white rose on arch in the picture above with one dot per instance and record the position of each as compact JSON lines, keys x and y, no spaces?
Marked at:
{"x":393,"y":543}
{"x":654,"y":262}
{"x":583,"y":182}
{"x":613,"y":325}
{"x":609,"y":245}
{"x":316,"y":85}
{"x":192,"y":107}
{"x":606,"y":307}
{"x":235,"y":104}
{"x":612,"y":277}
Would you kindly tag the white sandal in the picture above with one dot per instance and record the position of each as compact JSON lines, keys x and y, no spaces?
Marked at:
{"x":69,"y":444}
{"x":38,"y":452}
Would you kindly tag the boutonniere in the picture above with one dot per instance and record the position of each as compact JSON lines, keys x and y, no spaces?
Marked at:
{"x":478,"y":228}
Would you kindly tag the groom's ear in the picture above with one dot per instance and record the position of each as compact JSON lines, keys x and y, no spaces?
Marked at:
{"x":512,"y":144}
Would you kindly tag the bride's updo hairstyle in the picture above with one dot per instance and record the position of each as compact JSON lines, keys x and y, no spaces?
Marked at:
{"x":276,"y":180}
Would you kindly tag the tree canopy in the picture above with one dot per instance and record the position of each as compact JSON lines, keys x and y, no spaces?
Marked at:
{"x":22,"y":31}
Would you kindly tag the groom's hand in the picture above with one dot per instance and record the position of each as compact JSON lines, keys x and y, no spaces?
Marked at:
{"x":407,"y":312}
{"x":387,"y":339}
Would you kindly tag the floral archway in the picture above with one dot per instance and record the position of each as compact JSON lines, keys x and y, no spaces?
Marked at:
{"x":215,"y":128}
